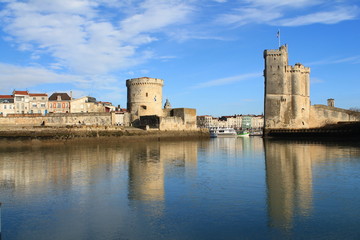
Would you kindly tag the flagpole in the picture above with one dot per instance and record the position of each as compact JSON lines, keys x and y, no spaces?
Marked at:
{"x":278,"y":35}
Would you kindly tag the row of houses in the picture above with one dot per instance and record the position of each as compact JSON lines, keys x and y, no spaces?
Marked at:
{"x":241,"y":122}
{"x":23,"y":102}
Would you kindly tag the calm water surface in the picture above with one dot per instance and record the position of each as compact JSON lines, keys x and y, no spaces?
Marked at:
{"x":225,"y":188}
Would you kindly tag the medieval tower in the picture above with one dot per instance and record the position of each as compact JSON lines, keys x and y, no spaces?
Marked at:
{"x":144,"y":96}
{"x":287,"y":91}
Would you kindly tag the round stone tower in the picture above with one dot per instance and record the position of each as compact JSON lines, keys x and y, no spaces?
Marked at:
{"x":144,"y":96}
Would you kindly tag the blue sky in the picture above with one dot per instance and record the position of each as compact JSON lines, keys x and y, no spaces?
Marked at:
{"x":209,"y":52}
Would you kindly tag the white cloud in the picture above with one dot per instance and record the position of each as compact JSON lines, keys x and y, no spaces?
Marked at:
{"x":315,"y":80}
{"x":12,"y":76}
{"x":77,"y":35}
{"x":228,"y":80}
{"x":352,"y":60}
{"x":18,"y":77}
{"x":288,"y":13}
{"x":328,"y":17}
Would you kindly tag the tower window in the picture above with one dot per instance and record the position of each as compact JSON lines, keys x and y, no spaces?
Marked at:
{"x":147,"y":94}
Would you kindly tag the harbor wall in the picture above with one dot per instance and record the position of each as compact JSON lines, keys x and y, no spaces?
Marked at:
{"x":58,"y":119}
{"x":321,"y":115}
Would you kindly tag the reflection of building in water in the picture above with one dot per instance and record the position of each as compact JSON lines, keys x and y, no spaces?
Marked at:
{"x":235,"y":146}
{"x":289,"y":178}
{"x":147,"y":166}
{"x":32,"y":168}
{"x":146,"y":173}
{"x":289,"y":181}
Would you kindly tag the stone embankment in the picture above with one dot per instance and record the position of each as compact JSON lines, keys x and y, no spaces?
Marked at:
{"x":341,"y":130}
{"x":78,"y":132}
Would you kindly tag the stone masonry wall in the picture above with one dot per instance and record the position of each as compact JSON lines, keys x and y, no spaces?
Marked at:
{"x":321,"y":115}
{"x":59,"y":119}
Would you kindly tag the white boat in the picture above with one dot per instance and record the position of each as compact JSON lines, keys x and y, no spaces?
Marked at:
{"x":258,"y":133}
{"x":222,"y":132}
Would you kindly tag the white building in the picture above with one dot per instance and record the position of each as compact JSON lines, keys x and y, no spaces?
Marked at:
{"x":6,"y":105}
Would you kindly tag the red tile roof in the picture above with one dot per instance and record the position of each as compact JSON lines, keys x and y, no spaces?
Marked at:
{"x":6,"y":96}
{"x":21,"y":92}
{"x":37,"y":94}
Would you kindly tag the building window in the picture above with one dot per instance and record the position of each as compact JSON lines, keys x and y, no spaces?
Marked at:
{"x":147,"y":94}
{"x":34,"y":98}
{"x":59,"y":105}
{"x":43,"y":98}
{"x":34,"y":105}
{"x":4,"y":106}
{"x":43,"y":105}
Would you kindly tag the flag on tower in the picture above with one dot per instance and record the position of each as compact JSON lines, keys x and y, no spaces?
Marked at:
{"x":278,"y":34}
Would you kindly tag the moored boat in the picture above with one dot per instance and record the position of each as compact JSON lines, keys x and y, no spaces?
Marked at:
{"x":222,"y":132}
{"x":243,"y":133}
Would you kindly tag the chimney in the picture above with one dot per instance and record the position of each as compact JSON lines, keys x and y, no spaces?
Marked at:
{"x":331,"y":102}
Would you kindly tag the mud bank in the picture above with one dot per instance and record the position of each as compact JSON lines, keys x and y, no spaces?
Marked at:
{"x":95,"y":132}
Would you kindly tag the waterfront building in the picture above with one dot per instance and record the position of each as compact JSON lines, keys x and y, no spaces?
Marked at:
{"x":287,"y":97}
{"x":6,"y":105}
{"x":30,"y":103}
{"x":89,"y":105}
{"x":207,"y":121}
{"x":257,"y":122}
{"x":38,"y":103}
{"x":144,"y":105}
{"x":59,"y":103}
{"x":246,"y":123}
{"x":253,"y":122}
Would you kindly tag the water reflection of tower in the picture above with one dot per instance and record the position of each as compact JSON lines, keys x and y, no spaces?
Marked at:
{"x":289,"y":181}
{"x":146,"y":173}
{"x":148,"y":162}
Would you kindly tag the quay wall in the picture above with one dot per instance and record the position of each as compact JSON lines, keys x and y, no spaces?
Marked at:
{"x":58,"y":119}
{"x":321,"y":115}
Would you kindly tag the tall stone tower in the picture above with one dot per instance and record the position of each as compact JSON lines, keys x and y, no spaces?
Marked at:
{"x":144,"y":96}
{"x":287,"y":92}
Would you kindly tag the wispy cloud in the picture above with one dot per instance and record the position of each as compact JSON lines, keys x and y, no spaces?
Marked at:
{"x":227,"y":80}
{"x":351,"y":60}
{"x":19,"y":77}
{"x":288,"y":13}
{"x":315,"y":80}
{"x":327,"y":17}
{"x":12,"y":76}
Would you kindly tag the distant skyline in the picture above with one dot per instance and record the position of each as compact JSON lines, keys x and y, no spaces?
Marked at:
{"x":209,"y":53}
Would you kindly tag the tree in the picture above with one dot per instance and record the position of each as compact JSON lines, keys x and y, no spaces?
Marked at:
{"x":355,"y":109}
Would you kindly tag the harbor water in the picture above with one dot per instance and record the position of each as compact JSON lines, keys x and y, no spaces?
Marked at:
{"x":223,"y":188}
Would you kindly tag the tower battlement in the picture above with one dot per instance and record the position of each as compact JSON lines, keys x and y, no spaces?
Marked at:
{"x":144,"y":81}
{"x":298,"y":67}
